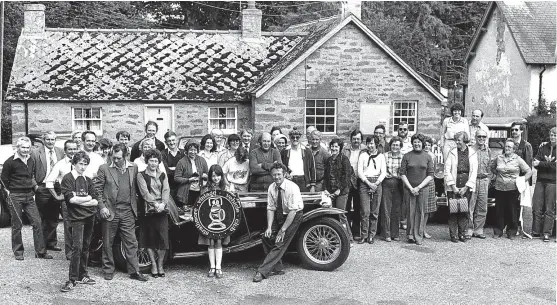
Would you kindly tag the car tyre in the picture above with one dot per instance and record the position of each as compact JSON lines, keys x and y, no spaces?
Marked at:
{"x":120,"y":260}
{"x":323,"y":244}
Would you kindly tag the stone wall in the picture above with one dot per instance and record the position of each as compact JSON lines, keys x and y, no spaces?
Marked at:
{"x":191,"y":118}
{"x":351,"y":68}
{"x":498,"y":78}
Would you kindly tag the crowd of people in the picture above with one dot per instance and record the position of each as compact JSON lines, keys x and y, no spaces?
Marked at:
{"x":384,"y":184}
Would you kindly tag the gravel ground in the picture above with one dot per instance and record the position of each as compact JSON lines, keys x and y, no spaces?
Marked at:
{"x":439,"y":272}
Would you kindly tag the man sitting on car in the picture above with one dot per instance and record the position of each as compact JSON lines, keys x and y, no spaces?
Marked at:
{"x":284,"y":216}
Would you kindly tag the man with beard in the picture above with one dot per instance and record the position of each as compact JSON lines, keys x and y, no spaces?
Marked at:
{"x":403,"y":134}
{"x":476,"y":124}
{"x":261,"y":160}
{"x":52,"y":182}
{"x":151,"y":129}
{"x":353,"y":152}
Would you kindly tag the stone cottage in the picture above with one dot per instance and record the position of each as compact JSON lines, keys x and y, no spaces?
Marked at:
{"x":511,"y":60}
{"x":332,"y":73}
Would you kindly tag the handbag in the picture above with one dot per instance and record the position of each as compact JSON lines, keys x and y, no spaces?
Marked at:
{"x":150,"y":210}
{"x":458,"y":205}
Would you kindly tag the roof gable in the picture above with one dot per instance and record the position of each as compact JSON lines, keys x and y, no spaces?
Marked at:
{"x":320,"y":33}
{"x":64,"y":64}
{"x":532,"y":26}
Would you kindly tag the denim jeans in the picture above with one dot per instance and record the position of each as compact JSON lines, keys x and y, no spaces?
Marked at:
{"x":340,"y":203}
{"x":369,"y":209}
{"x":543,"y":208}
{"x":67,"y":231}
{"x":19,"y":203}
{"x":478,"y":208}
{"x":82,"y":230}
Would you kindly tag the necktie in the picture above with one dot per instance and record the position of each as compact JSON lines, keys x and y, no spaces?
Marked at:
{"x":279,"y":213}
{"x":51,"y":159}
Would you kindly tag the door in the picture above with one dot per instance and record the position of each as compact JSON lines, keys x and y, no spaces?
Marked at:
{"x":163,"y":115}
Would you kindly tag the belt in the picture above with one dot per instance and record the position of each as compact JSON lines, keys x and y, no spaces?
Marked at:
{"x":482,"y":176}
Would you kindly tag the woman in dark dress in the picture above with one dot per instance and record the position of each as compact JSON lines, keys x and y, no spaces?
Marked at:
{"x":154,"y":189}
{"x":416,"y":171}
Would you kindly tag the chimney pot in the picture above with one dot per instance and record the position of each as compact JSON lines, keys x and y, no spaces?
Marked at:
{"x":33,"y":19}
{"x":251,"y":22}
{"x":353,"y":7}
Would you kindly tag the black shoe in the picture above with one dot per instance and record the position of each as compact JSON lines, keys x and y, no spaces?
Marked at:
{"x":108,"y":276}
{"x":19,"y":258}
{"x":155,"y":275}
{"x":462,"y":239}
{"x":546,"y":237}
{"x":258,"y":277}
{"x":54,"y":248}
{"x":361,"y":241}
{"x":68,"y":286}
{"x":480,"y":236}
{"x":162,"y":274}
{"x":281,"y":272}
{"x":370,"y":241}
{"x":454,"y":240}
{"x":419,"y":243}
{"x":536,"y":235}
{"x":410,"y":241}
{"x":138,"y":276}
{"x":43,"y":255}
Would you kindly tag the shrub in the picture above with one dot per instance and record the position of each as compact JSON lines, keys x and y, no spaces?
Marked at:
{"x":538,"y":129}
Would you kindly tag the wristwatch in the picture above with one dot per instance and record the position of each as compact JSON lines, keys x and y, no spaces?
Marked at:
{"x":283,"y":230}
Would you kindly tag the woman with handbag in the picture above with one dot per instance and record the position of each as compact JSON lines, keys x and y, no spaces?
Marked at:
{"x":154,"y":189}
{"x":190,"y":173}
{"x":461,"y":169}
{"x":336,"y":181}
{"x":216,"y":182}
{"x":507,"y":167}
{"x":372,"y":169}
{"x":416,"y":171}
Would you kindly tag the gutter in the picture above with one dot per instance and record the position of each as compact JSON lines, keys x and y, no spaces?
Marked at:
{"x":26,"y":109}
{"x":540,"y":87}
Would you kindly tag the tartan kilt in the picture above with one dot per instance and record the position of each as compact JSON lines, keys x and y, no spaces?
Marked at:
{"x":431,"y":204}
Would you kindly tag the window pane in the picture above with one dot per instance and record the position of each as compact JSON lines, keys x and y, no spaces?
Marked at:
{"x":214,"y":113}
{"x":412,"y":112}
{"x":330,"y":111}
{"x":231,"y":113}
{"x":222,"y":112}
{"x":87,"y":113}
{"x":80,"y":125}
{"x":330,"y":120}
{"x":230,"y":124}
{"x":96,"y":113}
{"x":310,"y":103}
{"x":320,"y":111}
{"x":77,"y":113}
{"x":330,"y":103}
{"x":95,"y":125}
{"x":214,"y":124}
{"x":320,"y":103}
{"x":319,"y":120}
{"x":310,"y":111}
{"x":222,"y":124}
{"x":329,"y":128}
{"x":310,"y":121}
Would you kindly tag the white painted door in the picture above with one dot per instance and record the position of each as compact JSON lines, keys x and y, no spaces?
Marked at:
{"x":163,"y":115}
{"x":372,"y":115}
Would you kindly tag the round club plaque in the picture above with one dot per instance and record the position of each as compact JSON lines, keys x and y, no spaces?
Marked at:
{"x":217,"y":214}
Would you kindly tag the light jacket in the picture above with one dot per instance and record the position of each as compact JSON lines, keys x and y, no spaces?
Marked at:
{"x":184,"y":171}
{"x":451,"y":165}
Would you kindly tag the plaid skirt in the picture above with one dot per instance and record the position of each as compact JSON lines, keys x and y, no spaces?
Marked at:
{"x":431,"y":204}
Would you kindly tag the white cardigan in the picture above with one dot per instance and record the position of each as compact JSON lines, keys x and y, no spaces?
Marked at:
{"x":451,"y":169}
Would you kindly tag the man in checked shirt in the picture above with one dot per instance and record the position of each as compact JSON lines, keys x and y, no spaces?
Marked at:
{"x":284,"y":216}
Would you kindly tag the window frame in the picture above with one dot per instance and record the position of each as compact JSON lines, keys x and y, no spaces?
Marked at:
{"x":100,"y":119}
{"x":325,"y":116}
{"x":405,"y":117}
{"x":225,"y":131}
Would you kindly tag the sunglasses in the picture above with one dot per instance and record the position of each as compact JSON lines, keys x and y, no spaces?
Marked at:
{"x":481,"y":137}
{"x":514,"y":129}
{"x":295,"y":137}
{"x":403,"y":129}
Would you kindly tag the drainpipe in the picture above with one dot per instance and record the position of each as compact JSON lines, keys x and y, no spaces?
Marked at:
{"x":540,"y":89}
{"x":26,"y":107}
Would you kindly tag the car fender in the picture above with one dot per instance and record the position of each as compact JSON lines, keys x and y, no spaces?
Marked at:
{"x":321,"y":212}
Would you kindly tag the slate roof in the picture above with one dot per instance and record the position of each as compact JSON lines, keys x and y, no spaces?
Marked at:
{"x":67,"y":64}
{"x":533,"y":27}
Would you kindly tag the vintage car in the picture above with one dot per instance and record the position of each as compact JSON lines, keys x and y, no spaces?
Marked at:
{"x":321,"y":241}
{"x":499,"y":131}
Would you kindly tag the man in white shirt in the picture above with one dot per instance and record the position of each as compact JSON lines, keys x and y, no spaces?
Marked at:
{"x":403,"y":134}
{"x":475,"y":125}
{"x":300,"y":163}
{"x":284,"y":216}
{"x":49,"y":208}
{"x":60,"y":169}
{"x":89,"y":138}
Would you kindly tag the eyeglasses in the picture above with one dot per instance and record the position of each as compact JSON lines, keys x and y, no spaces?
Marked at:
{"x":378,"y":133}
{"x":403,"y":129}
{"x":295,"y":137}
{"x":481,"y":137}
{"x":515,"y":129}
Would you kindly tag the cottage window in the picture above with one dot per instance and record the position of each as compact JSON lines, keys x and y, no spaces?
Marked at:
{"x":223,"y":118}
{"x":87,"y":119}
{"x":406,"y":111}
{"x":322,"y":114}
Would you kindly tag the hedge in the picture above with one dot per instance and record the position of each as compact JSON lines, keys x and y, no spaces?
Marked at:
{"x":538,"y":130}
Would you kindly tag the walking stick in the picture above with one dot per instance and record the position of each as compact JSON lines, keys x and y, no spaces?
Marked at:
{"x":10,"y":203}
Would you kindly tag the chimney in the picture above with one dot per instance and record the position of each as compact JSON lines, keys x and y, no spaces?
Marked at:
{"x":251,"y":22}
{"x":351,"y":7}
{"x":33,"y":19}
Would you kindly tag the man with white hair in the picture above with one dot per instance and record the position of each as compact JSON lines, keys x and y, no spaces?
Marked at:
{"x":49,"y":208}
{"x":20,"y":185}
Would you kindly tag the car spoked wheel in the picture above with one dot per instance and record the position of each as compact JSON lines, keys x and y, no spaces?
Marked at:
{"x":323,"y":244}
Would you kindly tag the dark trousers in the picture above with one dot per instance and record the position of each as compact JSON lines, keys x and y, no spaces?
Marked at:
{"x":543,"y":208}
{"x":49,"y":210}
{"x":507,"y":209}
{"x":124,"y":224}
{"x":275,"y":251}
{"x":369,"y":209}
{"x":339,"y":202}
{"x":81,"y":239}
{"x":67,"y":230}
{"x":391,"y":207}
{"x":19,"y":203}
{"x":458,"y":222}
{"x":416,"y":206}
{"x":300,"y":182}
{"x":353,"y":202}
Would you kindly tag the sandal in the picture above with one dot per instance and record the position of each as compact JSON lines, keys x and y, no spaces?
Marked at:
{"x":211,"y":272}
